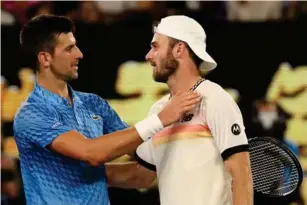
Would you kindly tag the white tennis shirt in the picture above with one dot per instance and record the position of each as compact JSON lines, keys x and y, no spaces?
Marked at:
{"x":189,"y":155}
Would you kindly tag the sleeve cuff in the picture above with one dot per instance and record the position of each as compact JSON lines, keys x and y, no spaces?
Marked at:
{"x":233,"y":150}
{"x":144,"y":163}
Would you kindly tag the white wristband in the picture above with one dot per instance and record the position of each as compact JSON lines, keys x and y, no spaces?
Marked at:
{"x":148,"y":127}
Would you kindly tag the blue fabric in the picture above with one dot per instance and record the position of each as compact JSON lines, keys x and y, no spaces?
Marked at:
{"x":50,"y":178}
{"x":295,"y":149}
{"x":292,"y":146}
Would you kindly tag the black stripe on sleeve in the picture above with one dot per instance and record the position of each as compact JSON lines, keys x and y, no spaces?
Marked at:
{"x":233,"y":150}
{"x":144,"y":163}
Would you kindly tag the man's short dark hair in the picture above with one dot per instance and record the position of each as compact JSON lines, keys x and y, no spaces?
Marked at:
{"x":174,"y":41}
{"x":40,"y":34}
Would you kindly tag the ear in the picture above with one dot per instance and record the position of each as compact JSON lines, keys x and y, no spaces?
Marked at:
{"x":44,"y":59}
{"x":178,"y":49}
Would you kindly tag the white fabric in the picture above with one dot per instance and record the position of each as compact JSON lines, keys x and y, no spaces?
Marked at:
{"x":189,"y":165}
{"x":222,"y":116}
{"x":190,"y":31}
{"x":149,"y":126}
{"x":146,"y":152}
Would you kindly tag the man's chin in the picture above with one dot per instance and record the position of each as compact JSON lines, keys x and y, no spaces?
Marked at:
{"x":160,"y":79}
{"x":72,"y":77}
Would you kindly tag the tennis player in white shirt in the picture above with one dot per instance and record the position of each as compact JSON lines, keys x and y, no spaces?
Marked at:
{"x":203,"y":159}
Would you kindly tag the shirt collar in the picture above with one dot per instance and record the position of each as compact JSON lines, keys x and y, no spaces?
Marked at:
{"x":54,"y":98}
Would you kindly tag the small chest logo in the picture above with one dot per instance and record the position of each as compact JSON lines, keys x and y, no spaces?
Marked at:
{"x":235,"y":129}
{"x":95,"y":117}
{"x":55,"y":125}
{"x":187,"y":117}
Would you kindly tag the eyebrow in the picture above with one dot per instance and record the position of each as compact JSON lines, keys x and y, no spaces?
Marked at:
{"x":70,"y":45}
{"x":153,"y":43}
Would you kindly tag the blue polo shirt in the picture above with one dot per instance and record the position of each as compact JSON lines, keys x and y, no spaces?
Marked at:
{"x":50,"y":178}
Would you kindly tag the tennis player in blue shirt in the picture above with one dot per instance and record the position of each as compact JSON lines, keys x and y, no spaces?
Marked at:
{"x":64,"y":137}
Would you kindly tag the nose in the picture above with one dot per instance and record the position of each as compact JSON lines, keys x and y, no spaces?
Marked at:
{"x":79,"y":54}
{"x":148,"y":56}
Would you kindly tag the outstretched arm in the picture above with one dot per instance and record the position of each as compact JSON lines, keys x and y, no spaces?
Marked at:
{"x":45,"y":129}
{"x":129,"y":175}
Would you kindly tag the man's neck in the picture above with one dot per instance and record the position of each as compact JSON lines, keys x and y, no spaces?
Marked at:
{"x":181,"y":82}
{"x":54,"y":85}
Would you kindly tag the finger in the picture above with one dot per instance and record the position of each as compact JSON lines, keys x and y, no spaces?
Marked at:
{"x":191,"y":101}
{"x":189,"y":97}
{"x":188,"y":108}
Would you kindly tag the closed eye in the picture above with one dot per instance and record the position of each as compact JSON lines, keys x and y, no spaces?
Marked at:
{"x":154,"y":45}
{"x":70,"y":47}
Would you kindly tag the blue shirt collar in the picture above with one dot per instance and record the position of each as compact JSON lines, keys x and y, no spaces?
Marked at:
{"x":54,"y":98}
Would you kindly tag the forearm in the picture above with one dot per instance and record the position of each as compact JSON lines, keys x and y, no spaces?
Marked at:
{"x":107,"y":147}
{"x":242,"y":190}
{"x":129,"y":175}
{"x":242,"y":184}
{"x":116,"y":144}
{"x":112,"y":146}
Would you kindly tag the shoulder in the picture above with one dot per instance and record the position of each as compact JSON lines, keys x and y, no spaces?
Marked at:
{"x":28,"y":109}
{"x":30,"y":115}
{"x":215,"y":94}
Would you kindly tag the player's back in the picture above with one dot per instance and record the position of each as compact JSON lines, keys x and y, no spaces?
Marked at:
{"x":48,"y":177}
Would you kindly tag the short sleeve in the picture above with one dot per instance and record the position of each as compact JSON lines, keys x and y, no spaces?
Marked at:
{"x":37,"y":124}
{"x":225,"y":121}
{"x":145,"y":156}
{"x":112,"y":121}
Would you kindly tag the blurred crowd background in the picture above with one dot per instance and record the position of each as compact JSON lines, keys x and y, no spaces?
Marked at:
{"x":106,"y":12}
{"x":260,"y":48}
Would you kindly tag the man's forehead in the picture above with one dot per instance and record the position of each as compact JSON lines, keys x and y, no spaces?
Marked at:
{"x":66,"y":38}
{"x":159,"y":38}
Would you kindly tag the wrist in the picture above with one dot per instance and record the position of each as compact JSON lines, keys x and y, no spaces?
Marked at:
{"x":149,"y":126}
{"x":163,"y":120}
